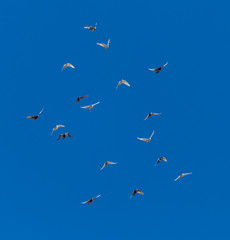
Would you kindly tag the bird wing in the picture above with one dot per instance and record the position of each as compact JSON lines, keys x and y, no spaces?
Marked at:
{"x":147,"y":116}
{"x":87,"y":106}
{"x":119,"y":83}
{"x":86,"y":201}
{"x":52,"y":131}
{"x":58,"y":126}
{"x":101,"y":44}
{"x":108,"y":42}
{"x":104,"y":165}
{"x":177,"y":178}
{"x":164,"y":159}
{"x":87,"y":27}
{"x":126,"y":83}
{"x":165,"y":64}
{"x":41,"y":111}
{"x":152,"y":134}
{"x":142,"y":139}
{"x":64,"y":66}
{"x":59,"y":137}
{"x":111,"y":162}
{"x":152,"y":69}
{"x":140,"y":192}
{"x":185,"y":174}
{"x":30,"y":117}
{"x":95,"y":103}
{"x":96,"y":197}
{"x":70,"y":65}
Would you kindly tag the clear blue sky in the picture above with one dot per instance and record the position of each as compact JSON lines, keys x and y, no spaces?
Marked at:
{"x":43,"y":182}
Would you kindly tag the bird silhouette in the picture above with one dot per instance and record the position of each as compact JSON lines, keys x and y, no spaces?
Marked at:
{"x":63,"y":136}
{"x":36,"y":116}
{"x":135,"y":192}
{"x":91,"y":200}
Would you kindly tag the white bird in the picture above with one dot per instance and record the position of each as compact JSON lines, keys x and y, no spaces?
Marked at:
{"x":106,"y":163}
{"x":56,"y":128}
{"x":123,"y":82}
{"x":67,"y":65}
{"x":91,"y":200}
{"x":104,"y":45}
{"x":91,"y":106}
{"x":147,"y":140}
{"x":182,"y":175}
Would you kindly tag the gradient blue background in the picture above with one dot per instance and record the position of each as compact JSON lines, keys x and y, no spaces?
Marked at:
{"x":43,"y":182}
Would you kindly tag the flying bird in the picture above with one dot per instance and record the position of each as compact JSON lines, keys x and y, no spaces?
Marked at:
{"x":104,"y":45}
{"x":135,"y":192}
{"x":35,"y":117}
{"x":91,"y":106}
{"x":63,"y":136}
{"x":79,"y":98}
{"x":182,"y":175}
{"x":147,"y":140}
{"x":106,"y":163}
{"x":67,"y":65}
{"x":157,"y":70}
{"x":91,"y":27}
{"x":123,"y":82}
{"x":152,"y":114}
{"x":56,"y":128}
{"x":91,"y":200}
{"x":161,"y":159}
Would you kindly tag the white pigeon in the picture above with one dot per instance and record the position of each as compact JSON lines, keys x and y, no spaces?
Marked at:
{"x":106,"y":163}
{"x":182,"y":175}
{"x":91,"y":106}
{"x":123,"y":82}
{"x":67,"y":65}
{"x":147,"y":140}
{"x":56,"y":128}
{"x":104,"y":45}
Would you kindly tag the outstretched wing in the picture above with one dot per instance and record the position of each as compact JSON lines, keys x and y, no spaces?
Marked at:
{"x":70,"y":65}
{"x":95,"y":103}
{"x":86,"y":107}
{"x":165,"y":64}
{"x":86,"y":201}
{"x":30,"y":117}
{"x":104,"y":165}
{"x":101,"y":44}
{"x":126,"y":83}
{"x":142,"y":139}
{"x":41,"y":111}
{"x":177,"y":178}
{"x":140,"y":192}
{"x":96,"y":197}
{"x":111,"y":162}
{"x":152,"y":134}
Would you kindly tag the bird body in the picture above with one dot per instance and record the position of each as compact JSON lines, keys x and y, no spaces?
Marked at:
{"x":135,"y":192}
{"x":67,"y":65}
{"x":161,"y":159}
{"x":182,"y":175}
{"x":123,"y":82}
{"x":63,"y":136}
{"x":36,"y":116}
{"x":152,"y":114}
{"x":91,"y":200}
{"x":147,"y":140}
{"x":91,"y":106}
{"x":104,"y":45}
{"x":106,"y":163}
{"x":157,"y":70}
{"x":91,"y":27}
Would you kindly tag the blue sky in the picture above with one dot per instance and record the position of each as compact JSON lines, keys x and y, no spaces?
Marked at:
{"x":43,"y":182}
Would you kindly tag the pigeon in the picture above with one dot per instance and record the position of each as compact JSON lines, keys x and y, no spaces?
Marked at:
{"x":135,"y":192}
{"x":67,"y":65}
{"x":182,"y":175}
{"x":161,"y":159}
{"x":91,"y":200}
{"x":106,"y":163}
{"x":63,"y":136}
{"x":91,"y":106}
{"x":79,"y":98}
{"x":56,"y":128}
{"x":104,"y":45}
{"x":35,"y":117}
{"x":152,"y":114}
{"x":91,"y":27}
{"x":123,"y":82}
{"x":157,"y":70}
{"x":147,"y":140}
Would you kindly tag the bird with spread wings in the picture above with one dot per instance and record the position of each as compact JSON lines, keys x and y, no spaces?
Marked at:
{"x":135,"y":192}
{"x":91,"y":27}
{"x":67,"y":65}
{"x":91,"y":106}
{"x":91,"y":200}
{"x":123,"y":82}
{"x":106,"y":163}
{"x":182,"y":175}
{"x":36,"y":116}
{"x":147,"y":140}
{"x":104,"y":45}
{"x":157,"y":70}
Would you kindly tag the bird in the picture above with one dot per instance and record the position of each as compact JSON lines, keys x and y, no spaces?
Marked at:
{"x":35,"y":117}
{"x":152,"y":114}
{"x":104,"y":45}
{"x":56,"y":128}
{"x":123,"y":82}
{"x":79,"y":98}
{"x":147,"y":140}
{"x":182,"y":175}
{"x":91,"y":27}
{"x":157,"y":70}
{"x":135,"y":192}
{"x":63,"y":136}
{"x":67,"y":65}
{"x":91,"y":106}
{"x":161,"y":159}
{"x":106,"y":163}
{"x":91,"y":200}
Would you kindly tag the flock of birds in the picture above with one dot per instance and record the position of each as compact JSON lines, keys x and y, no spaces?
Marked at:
{"x":89,"y":107}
